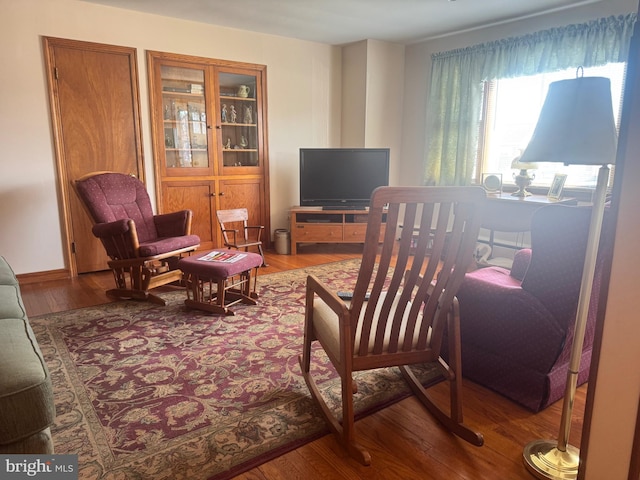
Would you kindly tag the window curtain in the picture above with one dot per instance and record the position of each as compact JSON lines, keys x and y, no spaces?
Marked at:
{"x":457,"y":76}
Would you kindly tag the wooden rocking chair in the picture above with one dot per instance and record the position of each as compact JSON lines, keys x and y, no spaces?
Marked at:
{"x":403,"y":301}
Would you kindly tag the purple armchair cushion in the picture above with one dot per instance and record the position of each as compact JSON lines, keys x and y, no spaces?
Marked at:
{"x":166,"y":245}
{"x":116,"y":196}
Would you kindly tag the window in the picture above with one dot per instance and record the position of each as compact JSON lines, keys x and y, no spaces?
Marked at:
{"x":510,"y":114}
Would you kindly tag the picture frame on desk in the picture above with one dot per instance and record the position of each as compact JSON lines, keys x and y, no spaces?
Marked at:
{"x":555,"y":192}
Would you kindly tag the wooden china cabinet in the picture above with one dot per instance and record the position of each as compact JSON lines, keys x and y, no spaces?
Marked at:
{"x":210,"y":139}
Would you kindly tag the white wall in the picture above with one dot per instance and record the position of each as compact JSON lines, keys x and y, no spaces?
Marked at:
{"x":303,"y":80}
{"x":372,"y":93}
{"x":385,"y":93}
{"x":354,"y":94}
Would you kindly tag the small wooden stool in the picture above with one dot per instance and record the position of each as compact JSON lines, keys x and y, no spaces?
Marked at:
{"x":201,"y":273}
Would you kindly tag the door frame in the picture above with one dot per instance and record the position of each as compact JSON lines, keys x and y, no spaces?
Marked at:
{"x":64,"y":185}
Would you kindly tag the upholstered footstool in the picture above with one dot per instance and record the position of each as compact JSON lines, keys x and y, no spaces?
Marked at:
{"x":219,"y":279}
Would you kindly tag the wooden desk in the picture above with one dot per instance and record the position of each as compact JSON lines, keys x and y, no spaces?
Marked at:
{"x":506,"y":213}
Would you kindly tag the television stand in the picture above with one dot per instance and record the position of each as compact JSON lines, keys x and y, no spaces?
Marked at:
{"x":317,"y":225}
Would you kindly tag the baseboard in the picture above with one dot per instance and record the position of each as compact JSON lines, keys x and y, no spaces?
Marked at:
{"x":37,"y":277}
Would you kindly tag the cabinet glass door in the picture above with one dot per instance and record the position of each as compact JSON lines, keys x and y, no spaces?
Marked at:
{"x":239,"y":119}
{"x":184,"y":117}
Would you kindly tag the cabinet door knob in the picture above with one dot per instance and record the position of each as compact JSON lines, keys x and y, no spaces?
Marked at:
{"x":212,"y":194}
{"x":221,"y":194}
{"x":217,"y":126}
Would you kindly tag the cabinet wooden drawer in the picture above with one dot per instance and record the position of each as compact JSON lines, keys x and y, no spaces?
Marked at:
{"x":318,"y":233}
{"x":357,"y":232}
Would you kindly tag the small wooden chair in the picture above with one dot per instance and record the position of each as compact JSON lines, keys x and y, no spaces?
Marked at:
{"x":411,"y":301}
{"x":237,"y":233}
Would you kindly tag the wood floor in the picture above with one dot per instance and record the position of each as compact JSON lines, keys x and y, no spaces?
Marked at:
{"x":405,"y":442}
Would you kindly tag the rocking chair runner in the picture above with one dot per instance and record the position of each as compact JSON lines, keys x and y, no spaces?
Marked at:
{"x":143,"y":248}
{"x":412,"y":301}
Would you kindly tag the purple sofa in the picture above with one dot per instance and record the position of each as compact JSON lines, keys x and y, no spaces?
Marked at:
{"x":517,"y":325}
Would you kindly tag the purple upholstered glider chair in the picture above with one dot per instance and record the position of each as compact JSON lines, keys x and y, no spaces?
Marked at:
{"x":143,"y":248}
{"x":517,"y":325}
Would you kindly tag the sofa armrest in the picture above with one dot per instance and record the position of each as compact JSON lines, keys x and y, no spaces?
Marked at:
{"x":521,"y":262}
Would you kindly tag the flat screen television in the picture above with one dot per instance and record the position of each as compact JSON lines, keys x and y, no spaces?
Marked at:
{"x":344,"y":178}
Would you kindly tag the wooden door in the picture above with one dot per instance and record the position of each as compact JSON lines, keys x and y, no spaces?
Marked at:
{"x":93,"y":92}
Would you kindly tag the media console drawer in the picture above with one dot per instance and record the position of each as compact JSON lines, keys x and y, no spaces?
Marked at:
{"x":318,"y":232}
{"x":355,"y":232}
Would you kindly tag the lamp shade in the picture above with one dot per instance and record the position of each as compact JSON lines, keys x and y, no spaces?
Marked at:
{"x":576,"y":124}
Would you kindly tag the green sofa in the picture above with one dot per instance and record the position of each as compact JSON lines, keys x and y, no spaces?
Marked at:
{"x":27,"y":409}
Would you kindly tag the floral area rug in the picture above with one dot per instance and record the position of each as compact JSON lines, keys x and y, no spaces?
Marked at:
{"x":164,"y":392}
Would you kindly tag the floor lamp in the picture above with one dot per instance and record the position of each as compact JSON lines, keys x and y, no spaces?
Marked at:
{"x":576,"y":127}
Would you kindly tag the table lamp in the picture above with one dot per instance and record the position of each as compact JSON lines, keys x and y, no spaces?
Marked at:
{"x":522,"y":179}
{"x":576,"y":127}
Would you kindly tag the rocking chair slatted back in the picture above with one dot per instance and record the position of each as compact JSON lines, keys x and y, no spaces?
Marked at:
{"x":438,"y":229}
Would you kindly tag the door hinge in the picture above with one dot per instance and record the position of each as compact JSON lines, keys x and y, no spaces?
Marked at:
{"x":73,"y":247}
{"x":55,"y":72}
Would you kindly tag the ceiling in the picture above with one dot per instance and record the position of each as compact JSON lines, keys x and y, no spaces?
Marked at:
{"x":338,"y":22}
